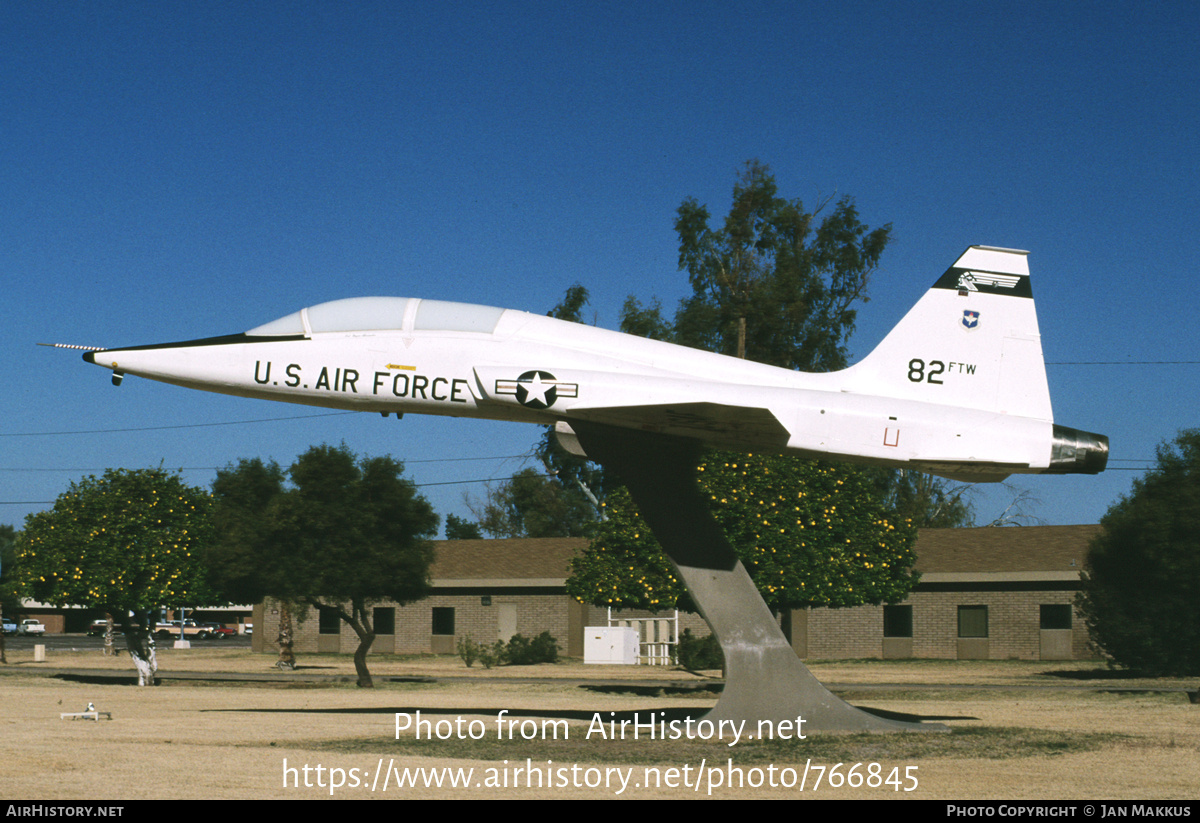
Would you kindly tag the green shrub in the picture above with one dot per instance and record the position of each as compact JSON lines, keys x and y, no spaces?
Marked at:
{"x":491,"y":656}
{"x":544,"y":648}
{"x":518,"y":652}
{"x":521,"y":651}
{"x":468,"y":650}
{"x":697,"y":653}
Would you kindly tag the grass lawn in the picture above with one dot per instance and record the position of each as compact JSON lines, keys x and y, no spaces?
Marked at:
{"x":1019,"y":730}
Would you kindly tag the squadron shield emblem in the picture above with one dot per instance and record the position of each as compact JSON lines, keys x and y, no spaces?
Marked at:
{"x":970,"y":319}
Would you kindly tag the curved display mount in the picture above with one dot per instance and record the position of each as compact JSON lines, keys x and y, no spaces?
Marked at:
{"x":764,"y":679}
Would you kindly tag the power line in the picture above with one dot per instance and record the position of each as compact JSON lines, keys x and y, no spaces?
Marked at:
{"x":461,"y":482}
{"x":418,"y":485}
{"x":1123,"y":363}
{"x":182,"y":426}
{"x":219,"y":468}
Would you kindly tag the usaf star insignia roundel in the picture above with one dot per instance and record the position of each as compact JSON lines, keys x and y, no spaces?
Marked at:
{"x":537,"y":389}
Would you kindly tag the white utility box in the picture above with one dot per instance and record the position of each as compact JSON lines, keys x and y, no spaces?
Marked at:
{"x":610,"y":645}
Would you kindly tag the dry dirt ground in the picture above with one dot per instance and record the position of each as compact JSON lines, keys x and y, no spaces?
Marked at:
{"x":1020,"y":730}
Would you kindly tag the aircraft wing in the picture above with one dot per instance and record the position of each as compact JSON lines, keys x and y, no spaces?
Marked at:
{"x":652,"y":403}
{"x":706,"y":422}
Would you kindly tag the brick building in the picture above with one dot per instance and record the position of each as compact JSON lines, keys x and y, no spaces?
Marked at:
{"x":484,"y":589}
{"x":984,"y":594}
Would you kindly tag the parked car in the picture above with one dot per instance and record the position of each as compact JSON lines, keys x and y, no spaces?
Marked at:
{"x":99,"y":627}
{"x":31,"y":626}
{"x":219,"y":631}
{"x":10,"y":626}
{"x":190,"y":629}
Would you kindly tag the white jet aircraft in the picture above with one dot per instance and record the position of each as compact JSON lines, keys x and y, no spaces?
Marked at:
{"x":957,"y":389}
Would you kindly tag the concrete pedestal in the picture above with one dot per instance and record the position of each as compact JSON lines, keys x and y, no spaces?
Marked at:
{"x":764,"y":679}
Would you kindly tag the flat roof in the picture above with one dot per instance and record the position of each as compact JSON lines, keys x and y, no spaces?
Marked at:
{"x":1024,"y":553}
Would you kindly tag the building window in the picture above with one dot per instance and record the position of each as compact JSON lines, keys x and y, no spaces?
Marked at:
{"x":443,"y":620}
{"x":1056,"y":616}
{"x":897,"y":621}
{"x":972,"y":621}
{"x":329,"y":622}
{"x":385,"y":620}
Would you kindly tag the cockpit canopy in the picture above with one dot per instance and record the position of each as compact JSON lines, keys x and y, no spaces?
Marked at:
{"x":360,"y":314}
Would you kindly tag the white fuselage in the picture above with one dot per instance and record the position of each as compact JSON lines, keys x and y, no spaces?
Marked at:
{"x":958,"y":388}
{"x":598,"y":375}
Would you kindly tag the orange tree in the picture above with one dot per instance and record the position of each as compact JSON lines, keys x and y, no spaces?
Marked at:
{"x":809,"y":534}
{"x":126,"y":543}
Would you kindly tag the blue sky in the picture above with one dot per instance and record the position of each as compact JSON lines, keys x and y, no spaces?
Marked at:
{"x":180,"y":170}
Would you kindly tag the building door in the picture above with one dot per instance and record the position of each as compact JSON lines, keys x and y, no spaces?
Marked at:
{"x":506,"y":617}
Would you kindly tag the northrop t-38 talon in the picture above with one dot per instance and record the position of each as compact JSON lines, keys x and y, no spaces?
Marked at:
{"x":957,"y":389}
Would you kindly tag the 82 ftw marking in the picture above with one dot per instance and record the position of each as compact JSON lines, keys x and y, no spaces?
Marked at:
{"x":921,"y":372}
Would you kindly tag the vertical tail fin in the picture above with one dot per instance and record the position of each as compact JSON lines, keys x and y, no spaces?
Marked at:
{"x":971,"y":341}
